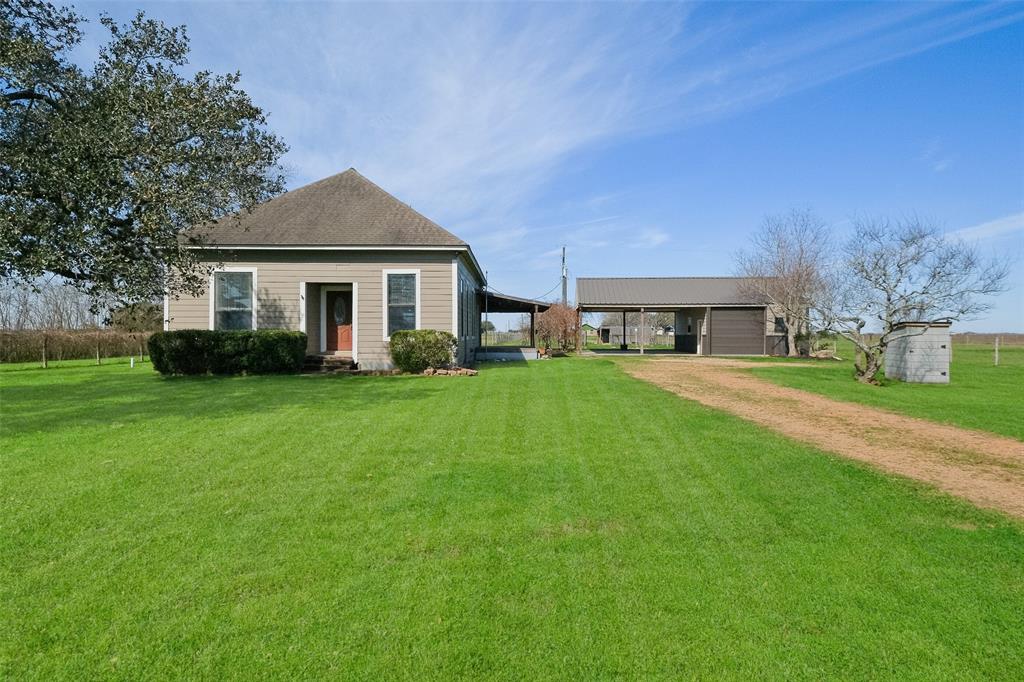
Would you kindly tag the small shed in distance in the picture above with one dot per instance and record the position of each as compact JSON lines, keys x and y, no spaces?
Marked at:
{"x":919,"y":353}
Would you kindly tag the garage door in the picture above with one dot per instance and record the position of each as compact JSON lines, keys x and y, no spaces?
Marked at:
{"x":737,"y":331}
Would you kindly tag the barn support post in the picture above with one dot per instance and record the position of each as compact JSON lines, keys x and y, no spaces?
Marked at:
{"x":625,"y":344}
{"x":581,"y":336}
{"x":641,"y":330}
{"x":533,"y":327}
{"x":765,"y":330}
{"x":707,"y":329}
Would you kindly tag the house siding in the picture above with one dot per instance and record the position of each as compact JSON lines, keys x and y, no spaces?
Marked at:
{"x":278,"y":305}
{"x":467,"y":287}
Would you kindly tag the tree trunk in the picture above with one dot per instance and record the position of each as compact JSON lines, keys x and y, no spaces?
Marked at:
{"x":45,"y":341}
{"x":866,"y":373}
{"x":792,"y":350}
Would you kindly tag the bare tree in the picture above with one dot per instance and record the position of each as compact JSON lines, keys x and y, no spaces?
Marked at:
{"x":46,"y":303}
{"x":903,"y":271}
{"x":558,"y":325}
{"x":784,"y":266}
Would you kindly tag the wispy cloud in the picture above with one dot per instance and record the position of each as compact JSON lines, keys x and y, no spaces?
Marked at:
{"x":935,"y":158}
{"x":468,"y":111}
{"x":649,"y":238}
{"x":992,"y":229}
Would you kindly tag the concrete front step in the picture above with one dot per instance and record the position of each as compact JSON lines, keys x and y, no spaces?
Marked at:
{"x":328,"y":363}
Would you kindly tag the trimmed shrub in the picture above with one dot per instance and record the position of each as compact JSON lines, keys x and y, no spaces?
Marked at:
{"x":201,"y":351}
{"x":415,"y":350}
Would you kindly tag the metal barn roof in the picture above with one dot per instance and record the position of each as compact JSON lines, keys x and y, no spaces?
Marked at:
{"x":593,"y":292}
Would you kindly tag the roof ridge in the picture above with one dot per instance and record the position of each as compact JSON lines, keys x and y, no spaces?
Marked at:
{"x":408,"y":206}
{"x":345,"y":208}
{"x":675,"y":277}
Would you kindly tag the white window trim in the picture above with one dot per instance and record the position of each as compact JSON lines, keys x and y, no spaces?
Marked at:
{"x":384,"y":296}
{"x":340,"y":286}
{"x":213,"y":292}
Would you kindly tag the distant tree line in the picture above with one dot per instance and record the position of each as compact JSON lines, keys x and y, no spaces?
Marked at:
{"x":54,"y":305}
{"x":49,"y":320}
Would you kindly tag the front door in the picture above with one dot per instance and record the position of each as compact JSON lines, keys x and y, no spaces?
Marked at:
{"x":339,"y":320}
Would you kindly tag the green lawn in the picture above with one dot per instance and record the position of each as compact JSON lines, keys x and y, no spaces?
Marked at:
{"x":497,"y":526}
{"x":979,"y":395}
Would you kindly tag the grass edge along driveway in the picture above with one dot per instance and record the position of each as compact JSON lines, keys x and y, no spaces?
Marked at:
{"x":555,"y":519}
{"x":979,"y":396}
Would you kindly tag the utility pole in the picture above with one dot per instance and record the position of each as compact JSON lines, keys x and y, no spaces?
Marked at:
{"x":565,"y":280}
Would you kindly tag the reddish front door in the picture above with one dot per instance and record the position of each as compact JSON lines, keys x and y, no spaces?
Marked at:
{"x":339,"y":320}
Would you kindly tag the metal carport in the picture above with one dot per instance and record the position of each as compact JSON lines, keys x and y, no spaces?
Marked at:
{"x":713,"y":315}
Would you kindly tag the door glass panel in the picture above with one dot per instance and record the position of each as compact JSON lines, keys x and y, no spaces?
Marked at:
{"x":340,"y":310}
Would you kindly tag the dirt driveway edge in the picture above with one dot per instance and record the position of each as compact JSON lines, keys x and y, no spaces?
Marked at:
{"x":984,"y":468}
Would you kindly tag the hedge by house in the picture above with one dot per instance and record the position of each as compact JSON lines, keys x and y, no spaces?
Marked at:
{"x":415,"y":350}
{"x":200,"y":351}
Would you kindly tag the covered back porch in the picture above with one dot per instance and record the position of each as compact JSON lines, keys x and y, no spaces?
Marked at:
{"x":498,"y":303}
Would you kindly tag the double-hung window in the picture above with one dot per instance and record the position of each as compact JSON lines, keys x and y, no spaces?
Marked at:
{"x":234,"y":300}
{"x":401,"y":302}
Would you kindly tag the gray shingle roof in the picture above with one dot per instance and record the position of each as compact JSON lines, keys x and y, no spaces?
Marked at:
{"x":342,"y":210}
{"x":663,"y":291}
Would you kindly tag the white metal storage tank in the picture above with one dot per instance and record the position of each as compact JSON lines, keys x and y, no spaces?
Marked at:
{"x":919,"y":353}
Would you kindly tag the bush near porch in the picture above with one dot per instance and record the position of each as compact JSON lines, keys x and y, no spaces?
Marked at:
{"x":415,"y":350}
{"x":202,"y":351}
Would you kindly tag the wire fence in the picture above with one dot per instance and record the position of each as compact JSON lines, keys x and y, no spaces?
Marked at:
{"x":975,"y":339}
{"x":44,"y":346}
{"x":512,"y":338}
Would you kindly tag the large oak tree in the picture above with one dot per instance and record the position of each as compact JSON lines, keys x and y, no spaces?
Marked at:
{"x":104,"y":169}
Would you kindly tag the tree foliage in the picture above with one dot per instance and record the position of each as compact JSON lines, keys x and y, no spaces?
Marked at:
{"x":785,"y":266}
{"x":138,"y":317}
{"x":103,"y":170}
{"x":903,"y":271}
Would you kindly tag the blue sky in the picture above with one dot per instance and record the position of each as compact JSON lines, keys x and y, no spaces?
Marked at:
{"x":651,"y":139}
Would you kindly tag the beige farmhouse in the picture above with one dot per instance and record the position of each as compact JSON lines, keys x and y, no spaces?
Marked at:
{"x":346,"y":263}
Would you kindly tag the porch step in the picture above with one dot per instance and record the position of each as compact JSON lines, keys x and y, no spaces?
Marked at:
{"x":328,"y":363}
